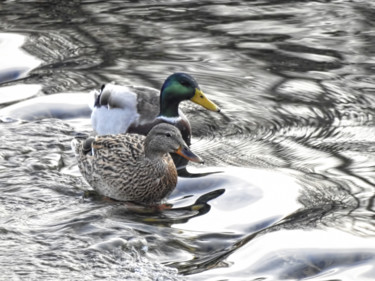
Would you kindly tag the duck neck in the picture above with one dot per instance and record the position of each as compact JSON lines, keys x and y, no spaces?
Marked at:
{"x":153,"y":155}
{"x":168,"y":107}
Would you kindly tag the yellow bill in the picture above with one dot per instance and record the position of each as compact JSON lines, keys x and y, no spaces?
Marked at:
{"x":200,"y":98}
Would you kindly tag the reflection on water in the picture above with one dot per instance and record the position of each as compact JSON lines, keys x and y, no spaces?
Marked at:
{"x":15,"y":62}
{"x":293,"y":150}
{"x":299,"y":254}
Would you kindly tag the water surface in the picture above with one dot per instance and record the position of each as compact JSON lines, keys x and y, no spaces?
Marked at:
{"x":292,"y":151}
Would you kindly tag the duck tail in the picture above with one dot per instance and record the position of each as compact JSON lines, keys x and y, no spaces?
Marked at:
{"x":82,"y":145}
{"x":76,"y":146}
{"x":94,"y":96}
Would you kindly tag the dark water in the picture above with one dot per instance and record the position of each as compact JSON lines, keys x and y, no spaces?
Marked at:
{"x":295,"y":143}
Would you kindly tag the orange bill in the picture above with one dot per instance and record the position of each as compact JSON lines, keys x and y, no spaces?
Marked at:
{"x":185,"y":152}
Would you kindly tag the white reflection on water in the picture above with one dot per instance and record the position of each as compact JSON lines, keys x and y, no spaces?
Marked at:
{"x":297,"y":254}
{"x":65,"y":106}
{"x":15,"y":63}
{"x":15,"y":93}
{"x":247,"y":200}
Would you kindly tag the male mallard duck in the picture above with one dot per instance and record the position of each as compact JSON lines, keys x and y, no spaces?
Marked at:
{"x":131,"y":167}
{"x":120,"y":109}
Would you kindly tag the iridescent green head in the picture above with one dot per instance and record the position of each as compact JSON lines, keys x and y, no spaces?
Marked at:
{"x":179,"y":87}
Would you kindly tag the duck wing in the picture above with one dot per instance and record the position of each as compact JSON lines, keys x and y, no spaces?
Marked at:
{"x":111,"y":163}
{"x":148,"y":103}
{"x":115,"y":108}
{"x":123,"y":146}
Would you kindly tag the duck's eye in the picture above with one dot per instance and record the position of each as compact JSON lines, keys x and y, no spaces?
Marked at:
{"x":168,"y":135}
{"x":185,"y":83}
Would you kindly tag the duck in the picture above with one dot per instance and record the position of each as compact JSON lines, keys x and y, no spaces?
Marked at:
{"x":133,"y":167}
{"x":119,"y":109}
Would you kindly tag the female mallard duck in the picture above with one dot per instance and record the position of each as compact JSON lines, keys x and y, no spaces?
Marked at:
{"x":121,"y":109}
{"x":131,"y":167}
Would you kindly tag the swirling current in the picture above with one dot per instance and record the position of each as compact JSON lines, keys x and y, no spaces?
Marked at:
{"x":288,"y":186}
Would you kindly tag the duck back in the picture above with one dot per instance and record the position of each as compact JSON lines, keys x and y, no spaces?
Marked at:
{"x":117,"y":168}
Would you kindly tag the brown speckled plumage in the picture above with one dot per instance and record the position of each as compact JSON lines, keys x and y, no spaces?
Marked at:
{"x":130,"y":167}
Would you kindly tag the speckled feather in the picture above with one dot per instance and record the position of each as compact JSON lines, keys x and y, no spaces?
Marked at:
{"x":117,"y":168}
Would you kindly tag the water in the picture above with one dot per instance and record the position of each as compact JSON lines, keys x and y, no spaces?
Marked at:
{"x":293,"y":147}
